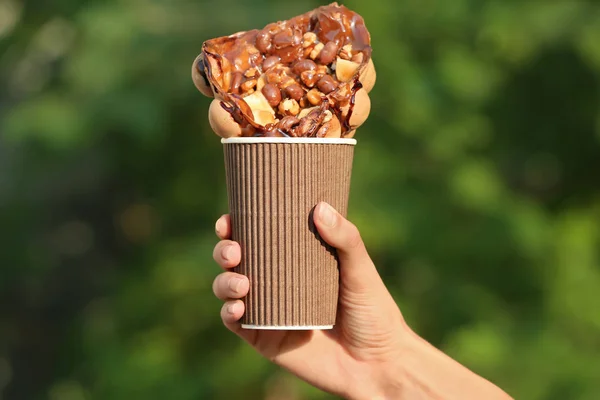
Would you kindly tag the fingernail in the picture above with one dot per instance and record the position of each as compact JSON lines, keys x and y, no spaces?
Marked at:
{"x":231,"y":308}
{"x":226,"y":253}
{"x":328,"y":215}
{"x":235,"y":284}
{"x":218,"y":226}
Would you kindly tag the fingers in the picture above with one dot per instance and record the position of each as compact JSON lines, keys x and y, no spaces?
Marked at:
{"x":227,"y":254}
{"x":358,"y":273}
{"x":230,"y":285}
{"x":223,"y":227}
{"x":340,"y":233}
{"x":231,"y":312}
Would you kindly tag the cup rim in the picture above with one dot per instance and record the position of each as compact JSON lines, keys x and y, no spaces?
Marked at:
{"x":287,"y":140}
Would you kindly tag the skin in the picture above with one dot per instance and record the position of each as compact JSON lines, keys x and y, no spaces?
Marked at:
{"x":371,"y":353}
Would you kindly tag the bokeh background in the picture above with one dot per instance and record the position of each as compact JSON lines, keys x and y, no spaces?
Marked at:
{"x":476,"y":186}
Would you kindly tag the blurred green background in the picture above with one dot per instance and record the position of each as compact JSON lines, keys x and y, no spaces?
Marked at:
{"x":476,"y":186}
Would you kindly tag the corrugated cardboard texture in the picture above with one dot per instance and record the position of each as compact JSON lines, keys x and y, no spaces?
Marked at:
{"x":272,"y":189}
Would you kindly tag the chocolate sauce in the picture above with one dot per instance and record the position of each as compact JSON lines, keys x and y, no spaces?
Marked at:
{"x":234,"y":55}
{"x":346,"y":121}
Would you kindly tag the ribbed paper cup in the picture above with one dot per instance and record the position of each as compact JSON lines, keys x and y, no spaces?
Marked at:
{"x":273,"y":185}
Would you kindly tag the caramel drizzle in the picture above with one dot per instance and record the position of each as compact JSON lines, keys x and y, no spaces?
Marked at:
{"x":237,"y":53}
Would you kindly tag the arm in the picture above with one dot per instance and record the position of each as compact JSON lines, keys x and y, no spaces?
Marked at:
{"x":371,"y":354}
{"x":424,"y":372}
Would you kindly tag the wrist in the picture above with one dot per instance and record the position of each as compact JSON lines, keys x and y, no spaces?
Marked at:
{"x":419,"y":370}
{"x":384,"y":383}
{"x":394,"y":375}
{"x":391,"y":383}
{"x":386,"y":378}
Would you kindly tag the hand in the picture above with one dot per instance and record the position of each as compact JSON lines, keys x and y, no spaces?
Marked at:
{"x":371,"y":353}
{"x":369,"y":328}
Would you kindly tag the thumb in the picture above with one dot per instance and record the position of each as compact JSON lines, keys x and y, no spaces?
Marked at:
{"x":357,"y":271}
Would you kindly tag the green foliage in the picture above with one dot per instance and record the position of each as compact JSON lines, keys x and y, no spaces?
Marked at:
{"x":475,"y":186}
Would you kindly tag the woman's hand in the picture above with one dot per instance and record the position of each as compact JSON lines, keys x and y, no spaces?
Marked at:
{"x":369,"y":352}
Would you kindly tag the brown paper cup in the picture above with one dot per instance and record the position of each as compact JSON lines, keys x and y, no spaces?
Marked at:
{"x":273,"y":184}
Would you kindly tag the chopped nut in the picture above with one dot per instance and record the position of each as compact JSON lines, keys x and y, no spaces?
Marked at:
{"x":294,"y":91}
{"x":289,"y":107}
{"x":263,"y":117}
{"x":270,"y":62}
{"x":263,"y":41}
{"x":345,"y":69}
{"x":328,"y":54}
{"x":250,"y":73}
{"x":316,"y":51}
{"x":327,"y":84}
{"x":272,"y":94}
{"x":257,"y":101}
{"x":322,"y":70}
{"x":314,"y":97}
{"x":358,"y":58}
{"x":283,"y":39}
{"x":261,"y":109}
{"x":273,"y":77}
{"x":346,"y":52}
{"x":297,"y":36}
{"x":287,"y":81}
{"x":249,"y":84}
{"x":309,"y":78}
{"x":304,"y":65}
{"x":309,"y":38}
{"x":288,"y":70}
{"x":261,"y":82}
